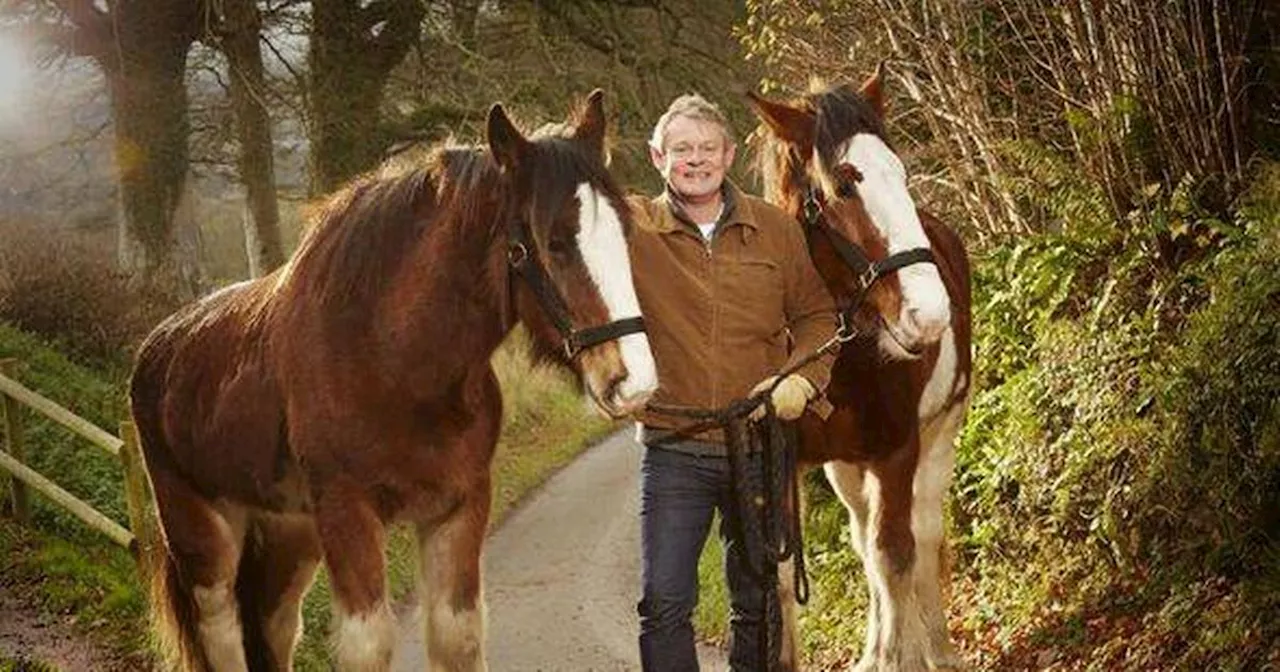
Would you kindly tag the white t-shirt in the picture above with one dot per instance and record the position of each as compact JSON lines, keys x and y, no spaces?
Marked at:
{"x":709,"y":228}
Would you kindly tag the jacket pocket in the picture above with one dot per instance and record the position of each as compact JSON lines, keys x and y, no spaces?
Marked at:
{"x":752,"y":294}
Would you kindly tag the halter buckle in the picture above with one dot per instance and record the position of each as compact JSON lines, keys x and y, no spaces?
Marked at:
{"x":868,"y":277}
{"x":845,"y":331}
{"x":571,"y":346}
{"x":517,"y":254}
{"x":812,"y":208}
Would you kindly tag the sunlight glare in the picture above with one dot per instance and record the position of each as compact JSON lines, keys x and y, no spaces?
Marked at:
{"x":15,"y":75}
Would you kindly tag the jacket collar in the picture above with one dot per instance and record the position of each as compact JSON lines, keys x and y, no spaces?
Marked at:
{"x":736,"y":211}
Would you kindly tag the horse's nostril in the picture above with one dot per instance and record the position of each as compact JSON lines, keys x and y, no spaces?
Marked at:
{"x":613,"y":387}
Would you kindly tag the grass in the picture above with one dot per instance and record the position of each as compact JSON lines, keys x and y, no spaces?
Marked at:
{"x":25,"y":665}
{"x":73,"y":570}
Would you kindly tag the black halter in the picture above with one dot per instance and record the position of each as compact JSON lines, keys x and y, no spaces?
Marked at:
{"x":522,"y":256}
{"x":854,"y":257}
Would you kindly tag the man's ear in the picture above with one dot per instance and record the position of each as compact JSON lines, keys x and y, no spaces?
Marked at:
{"x":793,"y":125}
{"x":658,"y":159}
{"x":506,"y":142}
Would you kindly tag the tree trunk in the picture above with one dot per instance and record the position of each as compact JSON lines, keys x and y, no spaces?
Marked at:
{"x":353,"y":50}
{"x":149,"y":104}
{"x":145,"y":74}
{"x":242,"y":27}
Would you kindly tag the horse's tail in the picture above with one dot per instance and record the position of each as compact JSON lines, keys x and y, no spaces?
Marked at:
{"x":174,"y":613}
{"x":252,"y":587}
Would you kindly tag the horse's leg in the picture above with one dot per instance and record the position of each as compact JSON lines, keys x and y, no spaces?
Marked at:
{"x":276,"y":569}
{"x":890,"y":556}
{"x":449,"y":584}
{"x":353,"y":537}
{"x":204,"y":539}
{"x":932,"y":481}
{"x":848,"y":479}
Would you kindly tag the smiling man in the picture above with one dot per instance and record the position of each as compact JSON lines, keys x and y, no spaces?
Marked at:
{"x":729,"y":297}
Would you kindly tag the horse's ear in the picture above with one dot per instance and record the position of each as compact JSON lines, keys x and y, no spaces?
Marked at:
{"x":505,"y":140}
{"x":592,"y":123}
{"x":794,"y":125}
{"x":872,"y":90}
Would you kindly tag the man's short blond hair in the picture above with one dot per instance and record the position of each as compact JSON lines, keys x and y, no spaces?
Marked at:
{"x":690,"y":106}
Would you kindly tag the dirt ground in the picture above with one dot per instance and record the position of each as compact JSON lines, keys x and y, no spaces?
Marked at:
{"x":27,"y":636}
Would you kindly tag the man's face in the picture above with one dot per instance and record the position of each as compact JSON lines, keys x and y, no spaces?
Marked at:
{"x":694,"y":157}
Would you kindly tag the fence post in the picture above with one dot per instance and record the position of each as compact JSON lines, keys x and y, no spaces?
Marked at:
{"x":13,"y":444}
{"x":141,"y":502}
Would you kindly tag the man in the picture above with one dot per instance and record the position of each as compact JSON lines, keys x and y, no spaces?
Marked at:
{"x":729,"y":298}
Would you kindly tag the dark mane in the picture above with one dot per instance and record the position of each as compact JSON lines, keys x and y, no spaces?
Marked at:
{"x":841,"y":114}
{"x":562,"y":164}
{"x":359,"y":236}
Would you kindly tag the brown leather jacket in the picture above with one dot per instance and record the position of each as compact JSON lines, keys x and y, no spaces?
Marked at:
{"x":723,"y":315}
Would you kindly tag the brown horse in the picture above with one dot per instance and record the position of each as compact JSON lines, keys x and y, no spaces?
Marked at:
{"x":292,"y":418}
{"x":900,"y":385}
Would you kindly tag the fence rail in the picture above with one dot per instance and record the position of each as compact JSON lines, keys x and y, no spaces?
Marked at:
{"x":138,"y":496}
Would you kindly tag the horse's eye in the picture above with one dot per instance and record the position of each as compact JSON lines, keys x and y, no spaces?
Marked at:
{"x":847,"y":178}
{"x":559,"y":246}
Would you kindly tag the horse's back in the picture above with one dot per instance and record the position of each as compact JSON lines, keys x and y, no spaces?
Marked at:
{"x":205,"y":398}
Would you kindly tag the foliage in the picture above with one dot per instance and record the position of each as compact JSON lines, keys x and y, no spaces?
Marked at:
{"x":58,"y":287}
{"x":1126,"y":441}
{"x":537,"y":57}
{"x":1132,"y":94}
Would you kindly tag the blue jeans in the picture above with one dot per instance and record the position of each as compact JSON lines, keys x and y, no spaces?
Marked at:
{"x":680,"y":494}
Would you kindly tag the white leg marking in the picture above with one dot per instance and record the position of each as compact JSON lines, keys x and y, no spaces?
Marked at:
{"x":220,"y":626}
{"x":902,"y":643}
{"x":365,"y":642}
{"x":604,"y":249}
{"x":454,"y":632}
{"x":932,"y":482}
{"x":848,"y":481}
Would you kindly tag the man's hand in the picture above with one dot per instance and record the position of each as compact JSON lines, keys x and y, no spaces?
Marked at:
{"x":789,"y":397}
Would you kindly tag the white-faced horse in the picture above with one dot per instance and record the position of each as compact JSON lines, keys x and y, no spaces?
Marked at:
{"x":900,"y":386}
{"x":289,"y":420}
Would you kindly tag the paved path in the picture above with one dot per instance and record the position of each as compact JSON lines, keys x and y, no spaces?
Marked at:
{"x":562,"y":574}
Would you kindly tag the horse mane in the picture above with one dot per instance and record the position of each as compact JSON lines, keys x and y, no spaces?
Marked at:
{"x":839,"y":113}
{"x":360,"y":235}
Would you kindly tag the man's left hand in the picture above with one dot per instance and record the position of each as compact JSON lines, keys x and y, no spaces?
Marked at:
{"x":789,"y":397}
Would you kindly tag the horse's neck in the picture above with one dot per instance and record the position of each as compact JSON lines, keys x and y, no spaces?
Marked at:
{"x":453,"y":312}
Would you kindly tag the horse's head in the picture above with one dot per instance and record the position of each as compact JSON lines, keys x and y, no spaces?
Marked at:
{"x":828,"y":162}
{"x":567,"y":243}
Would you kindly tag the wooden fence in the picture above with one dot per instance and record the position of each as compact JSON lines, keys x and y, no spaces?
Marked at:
{"x":142,"y":539}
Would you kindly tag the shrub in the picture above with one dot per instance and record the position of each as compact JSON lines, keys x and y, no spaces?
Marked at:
{"x":61,"y":287}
